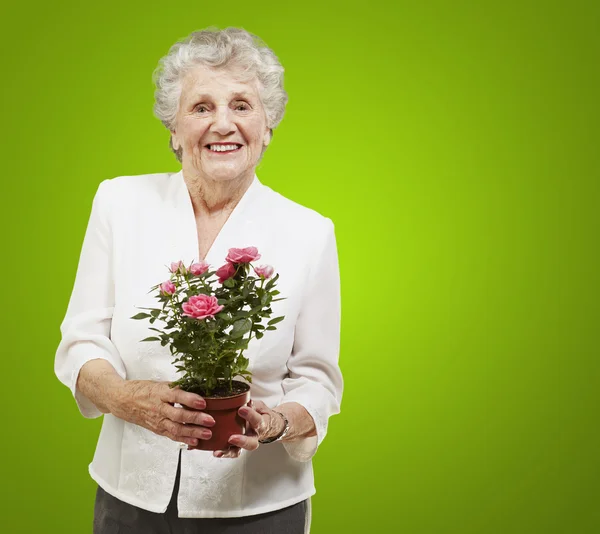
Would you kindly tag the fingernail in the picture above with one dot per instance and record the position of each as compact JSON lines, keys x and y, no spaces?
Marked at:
{"x":200,"y":404}
{"x":207,"y":434}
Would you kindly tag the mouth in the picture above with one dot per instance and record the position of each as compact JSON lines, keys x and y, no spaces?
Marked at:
{"x":223,"y":148}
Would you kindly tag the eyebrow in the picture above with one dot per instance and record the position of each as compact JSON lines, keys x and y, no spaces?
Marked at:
{"x":240,"y":94}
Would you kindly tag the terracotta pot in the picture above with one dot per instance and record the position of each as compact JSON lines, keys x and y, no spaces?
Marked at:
{"x":227,"y":421}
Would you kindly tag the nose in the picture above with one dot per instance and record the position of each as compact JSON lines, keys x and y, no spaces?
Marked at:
{"x":223,"y":123}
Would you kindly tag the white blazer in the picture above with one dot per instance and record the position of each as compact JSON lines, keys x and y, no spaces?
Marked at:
{"x":138,"y":226}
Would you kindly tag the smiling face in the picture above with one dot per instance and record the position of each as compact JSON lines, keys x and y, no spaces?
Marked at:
{"x":221,"y":125}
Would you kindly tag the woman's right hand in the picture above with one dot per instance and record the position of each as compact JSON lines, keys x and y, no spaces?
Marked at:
{"x":150,"y":404}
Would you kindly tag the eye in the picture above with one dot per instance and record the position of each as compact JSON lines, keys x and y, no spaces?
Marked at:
{"x":242,"y":106}
{"x":201,"y":108}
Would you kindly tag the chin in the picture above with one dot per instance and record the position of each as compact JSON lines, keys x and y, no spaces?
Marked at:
{"x":228,"y":175}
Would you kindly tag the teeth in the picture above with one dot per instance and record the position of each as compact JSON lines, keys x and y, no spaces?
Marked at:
{"x":222,"y":148}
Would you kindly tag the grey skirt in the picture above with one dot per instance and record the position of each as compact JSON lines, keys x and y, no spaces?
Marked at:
{"x":113,"y":516}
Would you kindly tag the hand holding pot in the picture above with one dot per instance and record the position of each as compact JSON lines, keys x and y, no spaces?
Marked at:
{"x":150,"y":405}
{"x":261,"y":423}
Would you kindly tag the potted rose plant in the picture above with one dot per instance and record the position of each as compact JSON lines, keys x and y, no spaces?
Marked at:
{"x":207,"y":324}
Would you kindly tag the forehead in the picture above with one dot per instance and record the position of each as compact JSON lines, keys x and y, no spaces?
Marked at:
{"x":217,"y":82}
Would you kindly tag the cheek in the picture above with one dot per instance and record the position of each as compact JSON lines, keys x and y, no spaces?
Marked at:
{"x":256,"y":135}
{"x":193,"y":133}
{"x":253,"y":128}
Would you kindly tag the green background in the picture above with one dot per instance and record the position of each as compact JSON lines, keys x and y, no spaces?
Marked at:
{"x":454,"y":145}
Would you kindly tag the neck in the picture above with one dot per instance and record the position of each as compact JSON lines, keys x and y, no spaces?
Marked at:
{"x":211,"y":198}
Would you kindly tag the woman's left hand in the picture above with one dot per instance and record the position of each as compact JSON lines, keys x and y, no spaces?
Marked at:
{"x":261,"y":423}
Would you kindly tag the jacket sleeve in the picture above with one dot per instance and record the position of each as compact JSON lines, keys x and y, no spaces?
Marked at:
{"x":315,"y":380}
{"x":86,"y":327}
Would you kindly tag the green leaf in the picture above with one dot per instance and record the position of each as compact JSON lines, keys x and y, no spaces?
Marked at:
{"x":259,"y":335}
{"x":240,"y":327}
{"x":151,"y":339}
{"x":141,"y":316}
{"x":276,"y":320}
{"x":272,"y":282}
{"x":240,"y":343}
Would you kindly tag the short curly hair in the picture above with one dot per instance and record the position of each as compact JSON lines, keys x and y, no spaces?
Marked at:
{"x":218,"y":48}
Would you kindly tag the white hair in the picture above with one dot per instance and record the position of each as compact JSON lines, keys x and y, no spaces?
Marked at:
{"x":231,"y":47}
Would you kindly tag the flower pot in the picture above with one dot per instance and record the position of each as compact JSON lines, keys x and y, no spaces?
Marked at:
{"x":224,"y":411}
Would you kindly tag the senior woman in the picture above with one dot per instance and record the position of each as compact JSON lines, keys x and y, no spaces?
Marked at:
{"x":220,"y":94}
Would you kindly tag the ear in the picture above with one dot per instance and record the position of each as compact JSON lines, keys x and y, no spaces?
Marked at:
{"x":174,"y":141}
{"x":267,"y":137}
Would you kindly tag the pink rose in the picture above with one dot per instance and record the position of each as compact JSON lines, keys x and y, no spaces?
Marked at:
{"x":178,"y":266}
{"x":225,"y":272}
{"x":167,"y":288}
{"x":201,"y":307}
{"x":266,"y":271}
{"x":199,"y":268}
{"x":242,"y":255}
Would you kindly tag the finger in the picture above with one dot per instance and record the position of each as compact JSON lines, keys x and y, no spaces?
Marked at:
{"x":185,"y":398}
{"x":253,"y":417}
{"x":178,"y":431}
{"x":233,"y":452}
{"x":261,"y":407}
{"x":185,"y":415}
{"x":229,"y":452}
{"x":248,"y":442}
{"x":188,"y":440}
